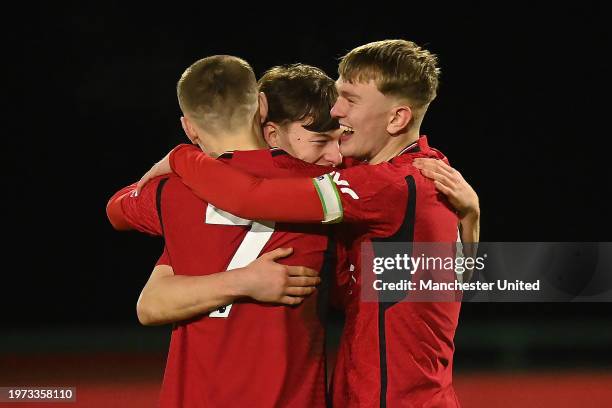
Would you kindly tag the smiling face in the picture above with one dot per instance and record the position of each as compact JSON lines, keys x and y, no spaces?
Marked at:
{"x":299,"y":99}
{"x":384,"y":90}
{"x":313,"y":147}
{"x":364,"y":113}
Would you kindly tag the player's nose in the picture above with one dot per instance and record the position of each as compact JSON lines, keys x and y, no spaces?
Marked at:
{"x":338,"y":110}
{"x":332,"y":154}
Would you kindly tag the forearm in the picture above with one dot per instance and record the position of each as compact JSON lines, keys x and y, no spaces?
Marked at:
{"x":470,"y":233}
{"x":283,"y":200}
{"x":171,"y":298}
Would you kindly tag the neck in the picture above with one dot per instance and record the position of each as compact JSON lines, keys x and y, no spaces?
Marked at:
{"x":243,"y":139}
{"x":395,"y":146}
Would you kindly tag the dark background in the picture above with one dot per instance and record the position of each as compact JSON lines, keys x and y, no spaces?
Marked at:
{"x":522,"y":112}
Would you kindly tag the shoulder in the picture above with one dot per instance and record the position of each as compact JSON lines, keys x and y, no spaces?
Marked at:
{"x":167,"y":182}
{"x":378,"y":177}
{"x":170,"y":189}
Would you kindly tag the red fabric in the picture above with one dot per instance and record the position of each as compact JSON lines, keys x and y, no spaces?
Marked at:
{"x":164,"y":259}
{"x":126,"y":211}
{"x":114,"y":211}
{"x":261,"y":355}
{"x":245,"y":195}
{"x":418,"y":347}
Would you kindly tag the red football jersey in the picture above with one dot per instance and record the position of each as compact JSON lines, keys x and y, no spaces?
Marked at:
{"x":247,"y":354}
{"x":391,"y":354}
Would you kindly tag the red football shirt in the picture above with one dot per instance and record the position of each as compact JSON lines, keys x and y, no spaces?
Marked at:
{"x":251,"y":354}
{"x":391,"y":354}
{"x":394,"y":354}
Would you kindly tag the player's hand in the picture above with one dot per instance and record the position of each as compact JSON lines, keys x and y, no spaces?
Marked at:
{"x":159,"y":169}
{"x":267,"y":281}
{"x":451,"y":183}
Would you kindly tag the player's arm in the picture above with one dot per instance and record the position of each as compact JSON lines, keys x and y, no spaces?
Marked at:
{"x":352,"y":195}
{"x":114,"y":212}
{"x":461,"y":196}
{"x":125,"y":211}
{"x":283,"y":200}
{"x":168,"y":298}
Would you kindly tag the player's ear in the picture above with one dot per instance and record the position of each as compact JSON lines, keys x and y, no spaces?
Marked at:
{"x":263,"y":107}
{"x":399,"y":119}
{"x":270,"y":133}
{"x":189,"y":130}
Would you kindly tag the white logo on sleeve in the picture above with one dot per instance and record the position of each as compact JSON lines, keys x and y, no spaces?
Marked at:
{"x":343,"y":184}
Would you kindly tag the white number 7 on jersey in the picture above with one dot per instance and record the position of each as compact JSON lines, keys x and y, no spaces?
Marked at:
{"x":249,"y":248}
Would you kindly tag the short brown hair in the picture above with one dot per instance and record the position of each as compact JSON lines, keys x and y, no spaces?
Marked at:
{"x":398,"y":67}
{"x":219,"y":92}
{"x":296,"y":92}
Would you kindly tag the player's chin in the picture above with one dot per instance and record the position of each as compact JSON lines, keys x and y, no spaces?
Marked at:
{"x":347,"y":148}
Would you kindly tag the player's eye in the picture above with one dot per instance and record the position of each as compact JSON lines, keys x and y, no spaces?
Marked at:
{"x":319,"y":141}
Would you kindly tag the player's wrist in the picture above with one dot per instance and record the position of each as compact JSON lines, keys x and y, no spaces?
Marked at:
{"x":471,"y":214}
{"x":470,"y":227}
{"x":237,"y":283}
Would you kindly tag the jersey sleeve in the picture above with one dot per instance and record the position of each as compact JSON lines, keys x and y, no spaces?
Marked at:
{"x":126,"y":211}
{"x":164,"y":259}
{"x":366,"y":194}
{"x":282,"y":199}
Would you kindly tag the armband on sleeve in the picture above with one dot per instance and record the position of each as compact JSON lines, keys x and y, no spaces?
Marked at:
{"x":330,"y":199}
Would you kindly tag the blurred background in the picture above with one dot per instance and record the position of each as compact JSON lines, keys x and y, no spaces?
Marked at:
{"x":522,"y":112}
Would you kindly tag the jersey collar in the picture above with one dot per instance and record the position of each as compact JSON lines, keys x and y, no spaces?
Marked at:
{"x":420,"y":145}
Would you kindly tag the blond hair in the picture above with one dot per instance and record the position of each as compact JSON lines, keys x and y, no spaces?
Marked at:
{"x":219,"y":93}
{"x":398,"y":67}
